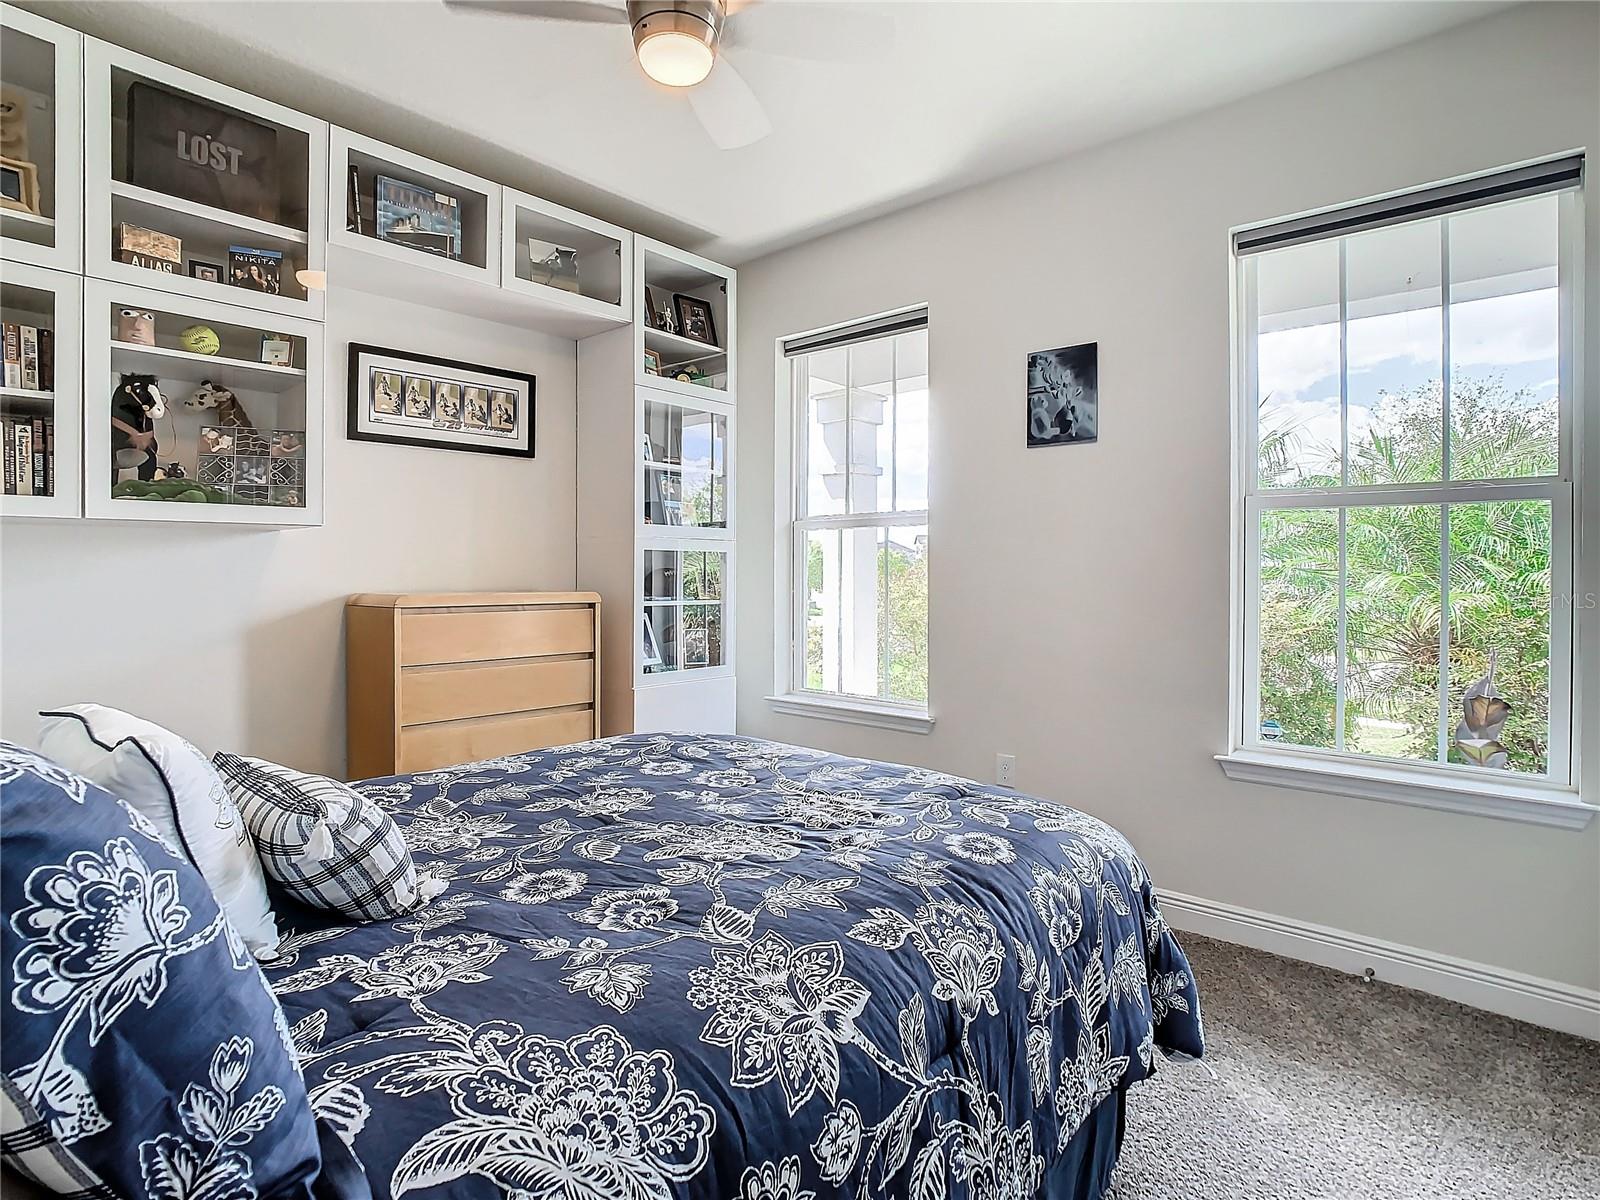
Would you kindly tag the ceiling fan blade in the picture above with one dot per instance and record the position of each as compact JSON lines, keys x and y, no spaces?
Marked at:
{"x":547,"y":10}
{"x":822,"y":32}
{"x":728,"y":109}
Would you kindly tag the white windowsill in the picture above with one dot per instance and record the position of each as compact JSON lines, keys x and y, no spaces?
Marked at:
{"x":899,"y":717}
{"x":1510,"y":799}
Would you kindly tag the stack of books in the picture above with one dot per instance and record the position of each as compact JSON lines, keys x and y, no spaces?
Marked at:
{"x":29,"y":447}
{"x":30,"y":358}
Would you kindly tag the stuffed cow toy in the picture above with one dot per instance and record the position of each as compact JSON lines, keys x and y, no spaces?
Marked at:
{"x":136,"y":406}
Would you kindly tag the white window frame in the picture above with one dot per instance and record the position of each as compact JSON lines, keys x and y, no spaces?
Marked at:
{"x":792,"y":698}
{"x":1552,"y":800}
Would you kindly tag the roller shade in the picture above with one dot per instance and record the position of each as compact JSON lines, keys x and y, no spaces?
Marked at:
{"x":1517,"y":183}
{"x":886,"y":325}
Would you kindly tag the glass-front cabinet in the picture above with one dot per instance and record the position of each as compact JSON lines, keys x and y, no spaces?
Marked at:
{"x":41,"y":148}
{"x":685,"y":465}
{"x":684,"y":596}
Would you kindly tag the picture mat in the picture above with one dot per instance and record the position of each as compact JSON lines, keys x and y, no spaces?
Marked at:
{"x":366,"y":422}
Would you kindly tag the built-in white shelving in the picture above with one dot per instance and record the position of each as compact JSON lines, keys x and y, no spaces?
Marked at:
{"x":657,"y":494}
{"x":585,"y":292}
{"x":273,"y":201}
{"x":42,"y":66}
{"x":273,"y":473}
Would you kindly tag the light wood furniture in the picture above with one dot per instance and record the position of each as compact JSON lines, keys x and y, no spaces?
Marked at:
{"x":437,"y":679}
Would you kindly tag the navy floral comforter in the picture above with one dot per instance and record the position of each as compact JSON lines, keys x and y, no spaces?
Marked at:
{"x":694,"y":966}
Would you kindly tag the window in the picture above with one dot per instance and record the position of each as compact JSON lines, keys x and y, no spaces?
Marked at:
{"x":1406,"y":484}
{"x":859,"y":536}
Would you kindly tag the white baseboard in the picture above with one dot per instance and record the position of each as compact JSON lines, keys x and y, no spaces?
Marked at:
{"x":1546,"y":1002}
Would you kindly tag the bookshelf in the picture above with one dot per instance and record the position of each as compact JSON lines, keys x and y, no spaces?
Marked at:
{"x":656,"y":505}
{"x":47,"y":400}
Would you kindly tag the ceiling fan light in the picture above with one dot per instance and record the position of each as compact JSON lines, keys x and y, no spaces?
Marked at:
{"x":675,"y":59}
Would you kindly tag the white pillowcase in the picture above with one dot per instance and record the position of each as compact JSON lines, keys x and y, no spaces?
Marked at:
{"x":172,"y":784}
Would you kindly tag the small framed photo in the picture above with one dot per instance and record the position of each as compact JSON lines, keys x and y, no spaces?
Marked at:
{"x":694,"y":319}
{"x":19,"y":186}
{"x":652,"y":362}
{"x":1064,"y":395}
{"x":417,"y":400}
{"x":208,"y":271}
{"x":277,"y":350}
{"x":655,"y":315}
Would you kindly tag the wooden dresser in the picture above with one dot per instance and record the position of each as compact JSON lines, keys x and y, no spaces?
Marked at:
{"x":437,"y":679}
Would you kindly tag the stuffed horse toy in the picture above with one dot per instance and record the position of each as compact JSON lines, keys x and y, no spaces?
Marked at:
{"x":136,"y":406}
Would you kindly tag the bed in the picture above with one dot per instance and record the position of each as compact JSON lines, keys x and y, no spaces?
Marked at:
{"x":711,"y":966}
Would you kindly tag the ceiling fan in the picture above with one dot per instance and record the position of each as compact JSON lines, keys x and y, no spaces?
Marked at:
{"x":680,"y":43}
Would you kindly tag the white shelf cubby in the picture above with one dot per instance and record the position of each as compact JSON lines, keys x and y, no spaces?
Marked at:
{"x":46,"y":299}
{"x":286,"y":209}
{"x":42,"y":70}
{"x":263,"y":482}
{"x":468,"y":282}
{"x":660,"y":273}
{"x":598,"y":297}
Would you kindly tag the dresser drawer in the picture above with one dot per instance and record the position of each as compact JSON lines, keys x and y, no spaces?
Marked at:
{"x":448,"y":693}
{"x":424,"y":747}
{"x":452,"y":637}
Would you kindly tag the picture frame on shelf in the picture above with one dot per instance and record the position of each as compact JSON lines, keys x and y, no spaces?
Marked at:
{"x":277,"y":350}
{"x":412,"y":215}
{"x":19,"y":186}
{"x":652,"y":362}
{"x":411,"y":399}
{"x":695,"y":320}
{"x":210,"y":272}
{"x":658,"y":315}
{"x":181,"y":145}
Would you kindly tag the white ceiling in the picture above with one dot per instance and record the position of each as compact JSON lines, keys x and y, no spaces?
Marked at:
{"x":966,"y":92}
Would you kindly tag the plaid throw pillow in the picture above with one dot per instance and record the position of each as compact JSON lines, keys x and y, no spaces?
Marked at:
{"x":327,"y":844}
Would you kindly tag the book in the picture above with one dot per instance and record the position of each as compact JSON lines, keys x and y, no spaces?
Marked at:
{"x":13,"y":353}
{"x":41,"y":485}
{"x":49,"y":456}
{"x":9,"y":432}
{"x":258,"y":270}
{"x":24,"y":458}
{"x":355,"y":218}
{"x":47,"y":360}
{"x":30,"y":357}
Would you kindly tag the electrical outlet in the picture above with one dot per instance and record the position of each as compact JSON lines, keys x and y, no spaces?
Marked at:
{"x":1005,"y":769}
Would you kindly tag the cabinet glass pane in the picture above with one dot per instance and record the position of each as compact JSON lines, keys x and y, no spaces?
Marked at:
{"x":28,"y":181}
{"x":683,"y":610}
{"x":27,"y":398}
{"x":229,"y":426}
{"x":685,"y":466}
{"x":556,"y":253}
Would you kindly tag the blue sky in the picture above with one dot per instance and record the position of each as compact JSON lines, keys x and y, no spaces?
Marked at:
{"x":1513,"y":337}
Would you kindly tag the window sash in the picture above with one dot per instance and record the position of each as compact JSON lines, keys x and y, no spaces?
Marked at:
{"x":800,"y":597}
{"x":1558,"y":490}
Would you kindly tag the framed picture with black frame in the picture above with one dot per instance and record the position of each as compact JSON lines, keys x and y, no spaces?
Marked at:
{"x":415,"y":399}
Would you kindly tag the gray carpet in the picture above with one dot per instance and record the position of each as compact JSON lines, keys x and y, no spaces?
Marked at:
{"x":1330,"y":1087}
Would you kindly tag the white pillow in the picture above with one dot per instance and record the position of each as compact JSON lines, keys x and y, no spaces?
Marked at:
{"x":172,"y":784}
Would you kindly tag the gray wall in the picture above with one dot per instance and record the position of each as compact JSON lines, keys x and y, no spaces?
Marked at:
{"x":234,"y":637}
{"x":1079,"y":597}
